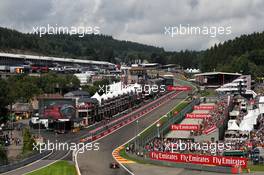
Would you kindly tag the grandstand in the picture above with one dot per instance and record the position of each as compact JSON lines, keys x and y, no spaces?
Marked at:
{"x":10,"y":59}
{"x":215,"y":79}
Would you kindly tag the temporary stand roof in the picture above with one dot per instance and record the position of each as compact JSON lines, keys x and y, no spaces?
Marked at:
{"x":245,"y":127}
{"x":234,"y":127}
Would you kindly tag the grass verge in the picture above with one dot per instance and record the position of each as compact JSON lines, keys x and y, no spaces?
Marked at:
{"x":164,"y":118}
{"x":153,"y":128}
{"x":254,"y":168}
{"x":58,"y":168}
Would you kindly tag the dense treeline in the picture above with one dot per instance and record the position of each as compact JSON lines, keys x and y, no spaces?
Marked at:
{"x":95,"y":47}
{"x":243,"y":54}
{"x":24,"y":88}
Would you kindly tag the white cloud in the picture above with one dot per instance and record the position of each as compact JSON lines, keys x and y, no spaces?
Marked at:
{"x":140,"y":21}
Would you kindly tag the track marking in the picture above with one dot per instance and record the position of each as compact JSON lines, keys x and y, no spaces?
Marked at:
{"x":122,"y":164}
{"x":27,"y":164}
{"x":120,"y":159}
{"x":76,"y":153}
{"x":48,"y":164}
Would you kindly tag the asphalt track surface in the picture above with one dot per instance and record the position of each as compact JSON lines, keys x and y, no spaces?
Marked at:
{"x":57,"y":155}
{"x":97,"y":162}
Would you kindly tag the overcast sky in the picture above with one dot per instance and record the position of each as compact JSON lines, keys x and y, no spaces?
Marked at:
{"x":142,"y":21}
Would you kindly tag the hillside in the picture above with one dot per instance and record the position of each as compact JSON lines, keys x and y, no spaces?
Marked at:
{"x":243,"y":54}
{"x":96,"y":47}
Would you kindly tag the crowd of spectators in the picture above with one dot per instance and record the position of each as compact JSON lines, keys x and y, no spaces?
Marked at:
{"x":246,"y":141}
{"x":187,"y":146}
{"x":6,"y":134}
{"x":218,"y":115}
{"x":214,"y":148}
{"x":255,"y":139}
{"x":8,"y":139}
{"x":257,"y":136}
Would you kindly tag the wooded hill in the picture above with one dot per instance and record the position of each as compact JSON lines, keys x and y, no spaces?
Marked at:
{"x":243,"y":54}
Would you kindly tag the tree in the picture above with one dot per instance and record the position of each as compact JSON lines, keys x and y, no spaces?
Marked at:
{"x":3,"y":156}
{"x":90,"y":89}
{"x":28,"y":141}
{"x":4,"y":101}
{"x":63,"y":45}
{"x":48,"y":82}
{"x":27,"y":88}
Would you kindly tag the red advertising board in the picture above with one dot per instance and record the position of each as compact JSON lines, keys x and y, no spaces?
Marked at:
{"x":178,"y":88}
{"x":199,"y":159}
{"x":204,"y":107}
{"x":198,"y":116}
{"x":184,"y":127}
{"x":210,"y":130}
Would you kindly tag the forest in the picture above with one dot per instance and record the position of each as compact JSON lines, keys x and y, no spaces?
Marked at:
{"x":244,"y":54}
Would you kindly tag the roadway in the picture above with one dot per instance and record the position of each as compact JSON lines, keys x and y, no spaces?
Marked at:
{"x":97,"y":162}
{"x":58,"y":155}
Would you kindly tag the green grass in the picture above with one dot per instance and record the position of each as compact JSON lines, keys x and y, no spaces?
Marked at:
{"x":58,"y":168}
{"x":254,"y":168}
{"x":162,"y":120}
{"x":153,"y":128}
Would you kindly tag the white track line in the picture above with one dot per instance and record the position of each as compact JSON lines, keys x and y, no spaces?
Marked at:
{"x":136,"y":136}
{"x":76,"y":154}
{"x":27,"y":164}
{"x":48,"y":164}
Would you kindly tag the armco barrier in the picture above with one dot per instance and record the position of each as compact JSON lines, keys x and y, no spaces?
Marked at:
{"x":120,"y":115}
{"x":118,"y":123}
{"x":24,"y":162}
{"x":218,"y":169}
